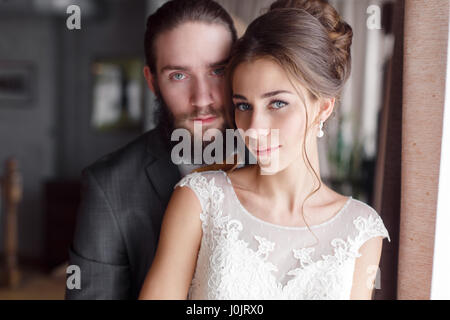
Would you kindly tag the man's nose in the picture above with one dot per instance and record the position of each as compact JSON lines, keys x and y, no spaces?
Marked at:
{"x":202,"y":93}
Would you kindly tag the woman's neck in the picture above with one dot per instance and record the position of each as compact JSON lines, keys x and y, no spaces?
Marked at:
{"x":291,"y":185}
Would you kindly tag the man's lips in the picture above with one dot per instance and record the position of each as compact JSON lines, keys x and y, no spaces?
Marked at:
{"x":204,"y":120}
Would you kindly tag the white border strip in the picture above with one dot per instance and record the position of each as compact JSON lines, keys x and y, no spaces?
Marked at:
{"x":440,"y":284}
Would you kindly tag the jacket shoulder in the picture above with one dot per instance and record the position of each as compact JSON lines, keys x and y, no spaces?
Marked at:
{"x":122,"y":160}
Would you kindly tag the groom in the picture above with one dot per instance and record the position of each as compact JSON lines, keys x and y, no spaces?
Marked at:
{"x":187,"y":44}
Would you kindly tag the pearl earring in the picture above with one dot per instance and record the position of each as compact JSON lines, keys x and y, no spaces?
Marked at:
{"x":320,"y":134}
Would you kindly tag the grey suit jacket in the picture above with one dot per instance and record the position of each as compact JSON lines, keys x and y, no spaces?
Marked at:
{"x":124,"y":196}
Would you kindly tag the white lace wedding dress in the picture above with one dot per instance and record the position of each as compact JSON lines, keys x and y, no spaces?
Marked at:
{"x":244,"y":257}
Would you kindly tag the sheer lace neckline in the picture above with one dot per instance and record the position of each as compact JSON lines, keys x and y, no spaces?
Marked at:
{"x":335,"y":216}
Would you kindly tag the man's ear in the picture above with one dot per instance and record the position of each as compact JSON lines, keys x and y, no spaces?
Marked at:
{"x":150,"y":79}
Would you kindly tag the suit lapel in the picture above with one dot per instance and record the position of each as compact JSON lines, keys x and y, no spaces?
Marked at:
{"x":162,"y":173}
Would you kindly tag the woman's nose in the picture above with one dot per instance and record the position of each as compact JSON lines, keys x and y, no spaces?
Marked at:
{"x":259,"y":126}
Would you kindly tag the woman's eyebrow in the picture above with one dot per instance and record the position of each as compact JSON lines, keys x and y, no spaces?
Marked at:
{"x":264,"y":96}
{"x":274,"y":93}
{"x":239,"y":96}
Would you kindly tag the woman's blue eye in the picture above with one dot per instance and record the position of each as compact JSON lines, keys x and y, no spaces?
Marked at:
{"x":178,"y":76}
{"x":279,"y":104}
{"x":242,"y":106}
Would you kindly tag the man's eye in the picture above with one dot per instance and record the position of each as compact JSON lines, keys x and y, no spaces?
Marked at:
{"x":242,"y":106}
{"x":219,"y":71}
{"x":278,"y":104}
{"x":178,"y":76}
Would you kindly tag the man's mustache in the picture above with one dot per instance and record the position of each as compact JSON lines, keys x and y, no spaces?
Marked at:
{"x":209,"y":111}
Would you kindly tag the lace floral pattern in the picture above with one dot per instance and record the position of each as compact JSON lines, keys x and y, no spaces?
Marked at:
{"x":227,"y":268}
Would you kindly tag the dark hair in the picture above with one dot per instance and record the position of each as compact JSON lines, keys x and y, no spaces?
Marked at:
{"x":335,"y":51}
{"x":307,"y":38}
{"x":175,"y":12}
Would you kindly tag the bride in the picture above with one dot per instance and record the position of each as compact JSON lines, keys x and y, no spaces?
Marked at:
{"x":273,"y":230}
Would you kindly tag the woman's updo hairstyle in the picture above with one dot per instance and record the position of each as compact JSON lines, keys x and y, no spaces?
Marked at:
{"x":308,"y":38}
{"x":339,"y":31}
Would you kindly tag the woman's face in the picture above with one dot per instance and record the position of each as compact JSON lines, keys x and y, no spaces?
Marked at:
{"x":266,"y":103}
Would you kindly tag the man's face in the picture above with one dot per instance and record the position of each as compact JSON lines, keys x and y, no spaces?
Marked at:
{"x":190,"y":61}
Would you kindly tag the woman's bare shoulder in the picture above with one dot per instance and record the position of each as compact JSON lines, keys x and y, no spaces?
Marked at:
{"x":242,"y":174}
{"x":184,"y":194}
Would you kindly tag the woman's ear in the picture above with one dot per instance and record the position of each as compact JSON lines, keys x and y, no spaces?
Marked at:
{"x":326,"y":108}
{"x":150,"y":79}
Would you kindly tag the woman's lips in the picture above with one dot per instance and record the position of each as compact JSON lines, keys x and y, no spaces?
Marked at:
{"x":266,"y":151}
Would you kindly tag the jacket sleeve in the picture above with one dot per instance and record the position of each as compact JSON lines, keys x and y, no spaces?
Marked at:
{"x":98,"y":248}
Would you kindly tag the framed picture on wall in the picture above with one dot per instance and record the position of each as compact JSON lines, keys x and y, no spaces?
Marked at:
{"x":117,"y":96}
{"x":16,"y":84}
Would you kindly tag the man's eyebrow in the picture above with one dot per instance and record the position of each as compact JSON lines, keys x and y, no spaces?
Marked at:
{"x":171,"y":67}
{"x":183,"y":68}
{"x":265,"y":95}
{"x":219,"y":64}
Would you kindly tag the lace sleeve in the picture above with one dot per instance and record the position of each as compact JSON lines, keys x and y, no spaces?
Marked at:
{"x":370,"y":226}
{"x":209,"y":194}
{"x":197,"y":183}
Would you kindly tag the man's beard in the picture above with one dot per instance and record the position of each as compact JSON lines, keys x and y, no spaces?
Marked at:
{"x":167,"y":122}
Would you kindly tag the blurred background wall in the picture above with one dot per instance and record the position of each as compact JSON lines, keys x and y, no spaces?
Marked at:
{"x":28,"y":131}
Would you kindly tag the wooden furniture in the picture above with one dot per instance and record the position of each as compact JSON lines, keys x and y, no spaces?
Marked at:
{"x":11,"y":186}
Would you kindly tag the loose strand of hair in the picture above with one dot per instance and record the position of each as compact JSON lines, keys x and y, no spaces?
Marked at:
{"x":309,"y":166}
